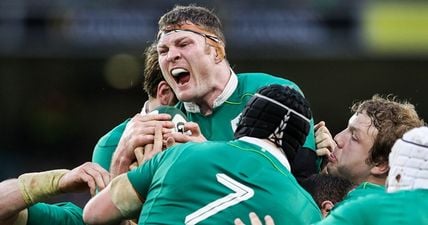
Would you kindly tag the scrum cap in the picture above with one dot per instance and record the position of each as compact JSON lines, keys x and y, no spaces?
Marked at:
{"x":278,"y":113}
{"x":408,"y":161}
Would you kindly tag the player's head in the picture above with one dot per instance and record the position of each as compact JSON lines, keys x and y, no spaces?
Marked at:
{"x":152,"y":72}
{"x":278,"y":113}
{"x":154,"y":83}
{"x":363,"y":147}
{"x":326,"y":190}
{"x":392,"y":118}
{"x":408,"y":161}
{"x":196,"y":19}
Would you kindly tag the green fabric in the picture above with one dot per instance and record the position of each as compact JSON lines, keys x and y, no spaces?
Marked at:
{"x":362,"y":190}
{"x":64,"y":213}
{"x":219,"y":125}
{"x":104,"y":149}
{"x":399,"y":208}
{"x":187,"y":177}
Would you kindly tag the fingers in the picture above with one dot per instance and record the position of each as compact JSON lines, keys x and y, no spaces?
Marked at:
{"x":323,"y":152}
{"x":255,"y":219}
{"x":98,"y":176}
{"x":139,"y":154}
{"x":158,"y":140}
{"x":170,"y":142}
{"x":89,"y":175}
{"x":269,"y":220}
{"x":320,"y":124}
{"x":238,"y":222}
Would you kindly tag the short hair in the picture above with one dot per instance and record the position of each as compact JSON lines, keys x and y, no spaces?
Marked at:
{"x":324,"y":187}
{"x":392,"y":118}
{"x":197,"y":15}
{"x":152,"y":71}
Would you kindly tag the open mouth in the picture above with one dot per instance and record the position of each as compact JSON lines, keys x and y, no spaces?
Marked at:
{"x":180,"y":75}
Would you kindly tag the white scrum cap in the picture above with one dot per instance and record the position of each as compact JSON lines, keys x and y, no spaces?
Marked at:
{"x":408,"y":161}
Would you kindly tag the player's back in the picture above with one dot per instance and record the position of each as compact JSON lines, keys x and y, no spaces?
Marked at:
{"x":216,"y":182}
{"x":399,"y":208}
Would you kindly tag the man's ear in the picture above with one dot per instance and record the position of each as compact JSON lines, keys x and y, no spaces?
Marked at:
{"x":380,"y":169}
{"x":326,"y":207}
{"x":164,"y":93}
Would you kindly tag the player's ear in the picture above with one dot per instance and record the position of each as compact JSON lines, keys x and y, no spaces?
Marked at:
{"x":380,"y":169}
{"x":164,"y":93}
{"x":326,"y":207}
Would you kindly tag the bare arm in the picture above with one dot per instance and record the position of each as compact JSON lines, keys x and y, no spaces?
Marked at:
{"x":11,"y":201}
{"x":117,"y":202}
{"x":18,"y":194}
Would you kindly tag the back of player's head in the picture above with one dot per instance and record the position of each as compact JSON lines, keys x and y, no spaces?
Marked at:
{"x":325,"y":187}
{"x":152,"y":72}
{"x":278,"y":113}
{"x":408,"y":161}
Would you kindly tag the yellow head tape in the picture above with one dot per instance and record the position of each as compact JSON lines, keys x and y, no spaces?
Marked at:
{"x":211,"y":38}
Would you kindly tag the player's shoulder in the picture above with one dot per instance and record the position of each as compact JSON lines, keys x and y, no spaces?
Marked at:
{"x":254,"y":81}
{"x":112,"y":137}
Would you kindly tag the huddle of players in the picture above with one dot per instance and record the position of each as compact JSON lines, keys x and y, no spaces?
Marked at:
{"x":261,"y":149}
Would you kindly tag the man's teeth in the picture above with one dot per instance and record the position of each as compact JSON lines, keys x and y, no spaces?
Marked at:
{"x":178,"y":71}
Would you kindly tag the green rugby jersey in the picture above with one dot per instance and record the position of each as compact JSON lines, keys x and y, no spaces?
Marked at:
{"x":216,"y":182}
{"x":362,"y":190}
{"x":104,"y":149}
{"x":220,"y":125}
{"x":398,"y":208}
{"x":65,"y":213}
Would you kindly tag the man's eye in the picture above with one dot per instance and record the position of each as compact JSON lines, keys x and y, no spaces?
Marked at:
{"x":183,"y":44}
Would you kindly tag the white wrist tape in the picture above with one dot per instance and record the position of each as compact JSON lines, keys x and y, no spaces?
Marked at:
{"x":124,"y":197}
{"x":35,"y":187}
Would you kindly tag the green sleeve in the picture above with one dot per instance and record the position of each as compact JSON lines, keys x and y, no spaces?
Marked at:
{"x":64,"y":213}
{"x":104,"y":149}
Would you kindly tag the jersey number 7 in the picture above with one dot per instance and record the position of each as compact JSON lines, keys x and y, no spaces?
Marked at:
{"x":241,"y":193}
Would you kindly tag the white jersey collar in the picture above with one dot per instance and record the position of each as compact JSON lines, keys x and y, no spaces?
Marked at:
{"x":270,"y":148}
{"x":227,"y":92}
{"x":145,"y":107}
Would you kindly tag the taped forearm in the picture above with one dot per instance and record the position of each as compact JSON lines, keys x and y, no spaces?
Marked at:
{"x":124,"y":197}
{"x":35,"y":187}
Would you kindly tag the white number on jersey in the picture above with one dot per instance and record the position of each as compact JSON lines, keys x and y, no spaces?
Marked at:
{"x":241,"y":193}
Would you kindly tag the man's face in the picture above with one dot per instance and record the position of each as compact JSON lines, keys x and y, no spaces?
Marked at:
{"x":186,"y":60}
{"x":349,"y":158}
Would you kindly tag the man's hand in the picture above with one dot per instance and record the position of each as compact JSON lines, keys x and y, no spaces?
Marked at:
{"x":324,"y":140}
{"x":139,"y":132}
{"x":192,"y":132}
{"x":255,"y":220}
{"x":89,"y":175}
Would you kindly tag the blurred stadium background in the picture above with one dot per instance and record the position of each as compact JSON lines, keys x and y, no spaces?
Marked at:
{"x":71,"y":70}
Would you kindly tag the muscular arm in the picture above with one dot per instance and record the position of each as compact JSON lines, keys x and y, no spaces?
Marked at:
{"x":117,"y":202}
{"x":18,"y":194}
{"x":11,"y":201}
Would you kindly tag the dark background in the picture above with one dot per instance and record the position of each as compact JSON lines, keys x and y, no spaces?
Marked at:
{"x":71,"y":70}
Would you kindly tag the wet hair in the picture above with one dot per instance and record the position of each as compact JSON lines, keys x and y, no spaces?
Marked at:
{"x":392,"y":118}
{"x":197,"y":15}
